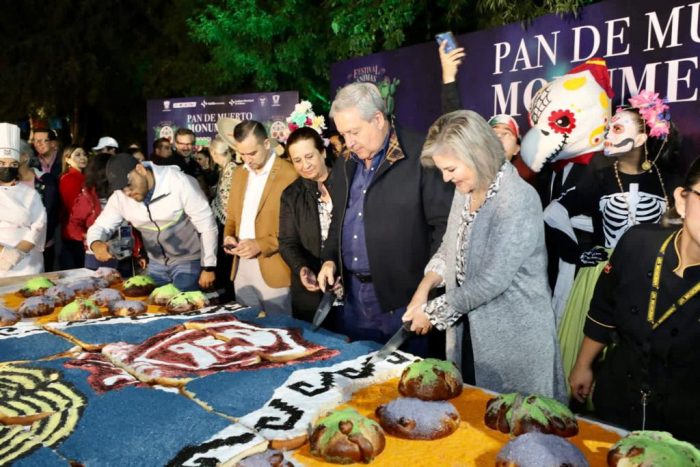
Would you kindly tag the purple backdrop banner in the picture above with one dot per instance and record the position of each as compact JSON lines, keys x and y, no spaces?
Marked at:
{"x":200,"y":114}
{"x":647,"y":44}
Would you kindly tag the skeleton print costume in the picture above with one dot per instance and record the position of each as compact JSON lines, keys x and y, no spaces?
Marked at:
{"x":615,"y":201}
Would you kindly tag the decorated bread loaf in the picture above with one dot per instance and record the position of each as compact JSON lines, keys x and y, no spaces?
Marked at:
{"x":345,"y":436}
{"x":431,"y":380}
{"x":35,"y":286}
{"x":138,"y":286}
{"x":127,"y":308}
{"x":79,"y":309}
{"x":7,"y":316}
{"x":109,"y":275}
{"x":36,"y":306}
{"x":538,"y":450}
{"x":411,"y":418}
{"x":60,"y":294}
{"x":652,"y":449}
{"x":517,"y":414}
{"x":104,"y":297}
{"x":187,"y":301}
{"x":162,"y":295}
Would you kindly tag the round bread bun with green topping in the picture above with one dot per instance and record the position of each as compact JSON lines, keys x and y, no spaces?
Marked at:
{"x":35,"y":286}
{"x":78,"y":310}
{"x":139,"y":286}
{"x":651,"y":449}
{"x":162,"y":295}
{"x":345,"y":436}
{"x":431,"y":380}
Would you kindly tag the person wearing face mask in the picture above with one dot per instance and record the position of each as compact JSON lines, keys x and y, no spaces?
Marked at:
{"x":633,"y":189}
{"x":75,"y":160}
{"x":23,"y":223}
{"x":305,"y":216}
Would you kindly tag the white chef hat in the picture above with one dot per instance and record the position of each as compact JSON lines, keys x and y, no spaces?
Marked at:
{"x":9,"y":141}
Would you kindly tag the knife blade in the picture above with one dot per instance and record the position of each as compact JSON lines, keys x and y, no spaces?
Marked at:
{"x":394,"y":343}
{"x":324,"y":307}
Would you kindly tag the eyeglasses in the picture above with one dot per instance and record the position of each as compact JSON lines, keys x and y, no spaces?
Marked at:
{"x":693,"y":191}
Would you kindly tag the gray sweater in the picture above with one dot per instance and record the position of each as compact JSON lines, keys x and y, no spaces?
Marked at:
{"x":505,"y":293}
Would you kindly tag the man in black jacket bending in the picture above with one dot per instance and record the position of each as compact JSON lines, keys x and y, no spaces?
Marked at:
{"x":389,"y":216}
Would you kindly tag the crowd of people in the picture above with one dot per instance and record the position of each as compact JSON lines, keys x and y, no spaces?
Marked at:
{"x":444,"y":231}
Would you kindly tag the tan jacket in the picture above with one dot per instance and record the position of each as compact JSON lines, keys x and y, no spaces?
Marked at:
{"x":275,"y":271}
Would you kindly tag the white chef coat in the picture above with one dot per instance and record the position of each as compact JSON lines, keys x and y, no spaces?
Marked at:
{"x":23,"y":217}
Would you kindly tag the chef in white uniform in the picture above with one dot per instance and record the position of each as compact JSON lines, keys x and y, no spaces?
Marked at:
{"x":22,"y":214}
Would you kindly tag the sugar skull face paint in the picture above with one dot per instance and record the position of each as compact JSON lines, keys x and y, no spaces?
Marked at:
{"x":623,"y":134}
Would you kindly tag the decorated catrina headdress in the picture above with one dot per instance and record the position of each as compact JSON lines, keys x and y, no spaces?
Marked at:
{"x":304,"y":116}
{"x":657,"y":119}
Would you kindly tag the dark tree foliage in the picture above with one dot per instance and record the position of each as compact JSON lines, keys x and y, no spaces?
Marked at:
{"x":95,"y":63}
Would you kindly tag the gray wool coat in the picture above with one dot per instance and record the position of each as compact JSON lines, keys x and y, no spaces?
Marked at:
{"x":505,"y":293}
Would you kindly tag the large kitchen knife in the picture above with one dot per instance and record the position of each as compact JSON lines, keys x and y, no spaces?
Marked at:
{"x":323,"y":309}
{"x":394,"y":343}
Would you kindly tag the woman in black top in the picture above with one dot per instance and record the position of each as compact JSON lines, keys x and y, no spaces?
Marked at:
{"x":647,"y":303}
{"x":305,"y":215}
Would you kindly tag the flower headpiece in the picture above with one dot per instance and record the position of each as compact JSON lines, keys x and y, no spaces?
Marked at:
{"x":304,"y":116}
{"x":655,"y":112}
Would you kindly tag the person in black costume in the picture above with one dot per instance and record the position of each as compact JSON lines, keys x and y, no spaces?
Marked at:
{"x":646,"y":304}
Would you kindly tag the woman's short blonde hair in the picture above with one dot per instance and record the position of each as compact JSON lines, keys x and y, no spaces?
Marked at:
{"x":467,"y":136}
{"x":219,"y":146}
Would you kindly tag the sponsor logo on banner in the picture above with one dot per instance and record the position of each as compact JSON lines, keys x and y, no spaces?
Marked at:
{"x":206,"y":103}
{"x":263,"y":101}
{"x":234,"y":102}
{"x":275,"y":100}
{"x":166,"y":106}
{"x":184,"y":105}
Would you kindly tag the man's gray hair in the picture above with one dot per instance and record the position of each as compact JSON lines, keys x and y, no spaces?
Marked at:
{"x":467,"y":136}
{"x":365,"y":97}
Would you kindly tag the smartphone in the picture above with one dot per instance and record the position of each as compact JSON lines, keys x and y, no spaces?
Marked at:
{"x":449,"y":37}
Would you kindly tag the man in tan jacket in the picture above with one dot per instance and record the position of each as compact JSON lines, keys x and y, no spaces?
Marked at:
{"x":260,"y":275}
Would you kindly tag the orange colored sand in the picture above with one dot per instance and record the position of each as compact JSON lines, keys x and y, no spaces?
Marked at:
{"x":473,"y":444}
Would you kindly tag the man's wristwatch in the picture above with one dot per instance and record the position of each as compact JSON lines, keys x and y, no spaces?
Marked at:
{"x":209,"y":268}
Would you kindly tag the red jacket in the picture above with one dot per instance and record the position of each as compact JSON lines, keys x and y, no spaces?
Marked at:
{"x":85,"y":210}
{"x":69,"y":186}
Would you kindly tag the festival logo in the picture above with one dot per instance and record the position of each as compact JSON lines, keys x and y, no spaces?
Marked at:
{"x":166,"y":106}
{"x":377,"y":75}
{"x":275,"y":100}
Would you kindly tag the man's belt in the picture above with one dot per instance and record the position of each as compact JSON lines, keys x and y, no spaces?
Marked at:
{"x":364,"y":278}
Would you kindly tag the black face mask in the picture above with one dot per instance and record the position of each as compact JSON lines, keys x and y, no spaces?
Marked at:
{"x":9,"y":174}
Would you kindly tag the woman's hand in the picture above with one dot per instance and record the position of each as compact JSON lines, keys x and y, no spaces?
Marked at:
{"x":581,"y":381}
{"x":308,"y":279}
{"x":326,"y":276}
{"x":449,"y":62}
{"x":420,"y":324}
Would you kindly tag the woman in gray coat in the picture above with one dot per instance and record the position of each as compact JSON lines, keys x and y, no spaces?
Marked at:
{"x":492,"y":262}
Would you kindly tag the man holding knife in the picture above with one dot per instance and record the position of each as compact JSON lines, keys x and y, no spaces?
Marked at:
{"x":389,"y":216}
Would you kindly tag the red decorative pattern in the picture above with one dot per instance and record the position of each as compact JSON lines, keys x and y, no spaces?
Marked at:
{"x":197,"y":349}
